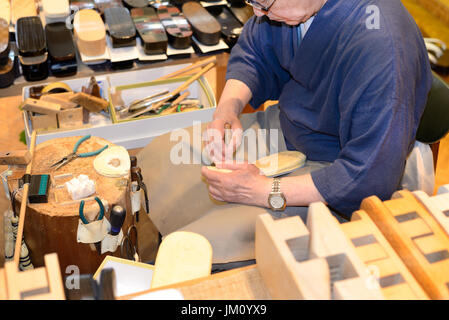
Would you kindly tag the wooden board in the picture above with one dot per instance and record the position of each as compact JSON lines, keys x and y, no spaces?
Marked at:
{"x":396,"y":281}
{"x":18,"y":157}
{"x":237,"y":284}
{"x":60,"y":220}
{"x":182,"y":256}
{"x":349,"y":276}
{"x":281,"y":256}
{"x":90,"y":32}
{"x":417,"y":238}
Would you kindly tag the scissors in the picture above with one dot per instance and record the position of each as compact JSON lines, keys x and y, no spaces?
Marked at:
{"x":75,"y":155}
{"x":129,"y":249}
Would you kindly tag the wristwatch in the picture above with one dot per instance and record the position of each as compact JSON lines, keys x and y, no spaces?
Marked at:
{"x":276,"y":199}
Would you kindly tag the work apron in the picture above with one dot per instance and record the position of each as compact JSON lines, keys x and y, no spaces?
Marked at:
{"x":179,"y":197}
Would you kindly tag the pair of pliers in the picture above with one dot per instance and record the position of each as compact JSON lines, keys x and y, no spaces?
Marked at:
{"x":100,"y":217}
{"x":75,"y":155}
{"x":81,"y":211}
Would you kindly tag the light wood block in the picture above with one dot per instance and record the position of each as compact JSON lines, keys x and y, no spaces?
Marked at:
{"x":41,"y":283}
{"x":64,"y":103}
{"x":22,"y":8}
{"x":438,"y":206}
{"x":16,"y":157}
{"x":281,"y":253}
{"x":395,"y":280}
{"x":392,"y":218}
{"x":70,"y":118}
{"x":40,"y":106}
{"x":182,"y":256}
{"x":90,"y":32}
{"x":329,"y":241}
{"x":43,"y":122}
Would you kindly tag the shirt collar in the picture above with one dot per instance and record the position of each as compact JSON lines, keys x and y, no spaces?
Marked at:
{"x":326,"y":23}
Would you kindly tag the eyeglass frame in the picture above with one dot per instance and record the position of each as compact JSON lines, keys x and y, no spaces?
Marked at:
{"x":257,"y":5}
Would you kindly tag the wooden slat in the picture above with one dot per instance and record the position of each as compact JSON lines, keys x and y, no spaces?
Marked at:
{"x":395,"y":279}
{"x":389,"y":216}
{"x":280,"y":264}
{"x":329,"y":241}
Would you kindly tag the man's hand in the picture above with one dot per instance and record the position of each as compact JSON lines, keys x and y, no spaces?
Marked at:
{"x":235,"y":96}
{"x":243,"y":185}
{"x":218,"y":149}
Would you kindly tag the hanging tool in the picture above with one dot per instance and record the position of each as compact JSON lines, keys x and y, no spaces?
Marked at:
{"x":129,"y":249}
{"x":74,"y":155}
{"x":136,"y":175}
{"x":100,"y":217}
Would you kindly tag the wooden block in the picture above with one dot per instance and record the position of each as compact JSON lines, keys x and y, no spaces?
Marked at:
{"x":40,"y":106}
{"x":89,"y":102}
{"x":328,"y":241}
{"x":281,"y":260}
{"x":182,"y":256}
{"x":16,"y":157}
{"x":64,"y":103}
{"x":70,"y":118}
{"x":391,"y":217}
{"x":43,"y":122}
{"x":438,"y":206}
{"x":395,"y":279}
{"x":54,"y":277}
{"x":22,"y":8}
{"x":40,"y":283}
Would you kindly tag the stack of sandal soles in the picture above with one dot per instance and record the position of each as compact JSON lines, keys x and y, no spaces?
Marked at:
{"x":241,"y":10}
{"x":178,"y":29}
{"x":150,"y":29}
{"x":206,"y":28}
{"x":121,"y":27}
{"x":104,"y":4}
{"x":130,"y":4}
{"x":7,"y":70}
{"x":61,"y":49}
{"x":231,"y":28}
{"x":32,"y":47}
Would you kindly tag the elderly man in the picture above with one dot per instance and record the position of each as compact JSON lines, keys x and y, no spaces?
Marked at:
{"x":351,"y":78}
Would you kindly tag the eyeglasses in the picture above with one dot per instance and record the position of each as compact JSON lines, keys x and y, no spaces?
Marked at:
{"x":263,"y":5}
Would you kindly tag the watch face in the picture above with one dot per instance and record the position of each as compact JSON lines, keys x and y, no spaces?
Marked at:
{"x":277,"y":201}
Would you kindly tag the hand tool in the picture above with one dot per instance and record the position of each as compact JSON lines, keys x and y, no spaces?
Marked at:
{"x":118,"y":215}
{"x":136,"y":175}
{"x":143,"y":103}
{"x":129,"y":248}
{"x":174,"y":93}
{"x":74,"y":155}
{"x":100,"y":217}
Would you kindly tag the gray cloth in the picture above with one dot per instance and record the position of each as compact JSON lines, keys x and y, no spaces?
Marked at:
{"x":179,"y":197}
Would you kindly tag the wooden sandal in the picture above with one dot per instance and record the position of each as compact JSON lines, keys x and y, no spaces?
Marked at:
{"x":205,"y":27}
{"x":150,"y":29}
{"x":177,"y":27}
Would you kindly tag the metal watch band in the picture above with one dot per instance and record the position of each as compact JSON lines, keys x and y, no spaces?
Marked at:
{"x":276,"y":185}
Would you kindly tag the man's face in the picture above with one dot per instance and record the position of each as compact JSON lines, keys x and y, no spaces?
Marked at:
{"x":292,"y":12}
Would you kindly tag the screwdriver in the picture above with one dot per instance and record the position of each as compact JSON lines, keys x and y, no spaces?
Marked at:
{"x":118,"y":214}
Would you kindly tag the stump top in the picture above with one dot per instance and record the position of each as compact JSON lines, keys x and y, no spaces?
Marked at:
{"x":113,"y":190}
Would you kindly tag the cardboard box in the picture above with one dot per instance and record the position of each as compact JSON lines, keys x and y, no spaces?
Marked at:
{"x":135,"y":133}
